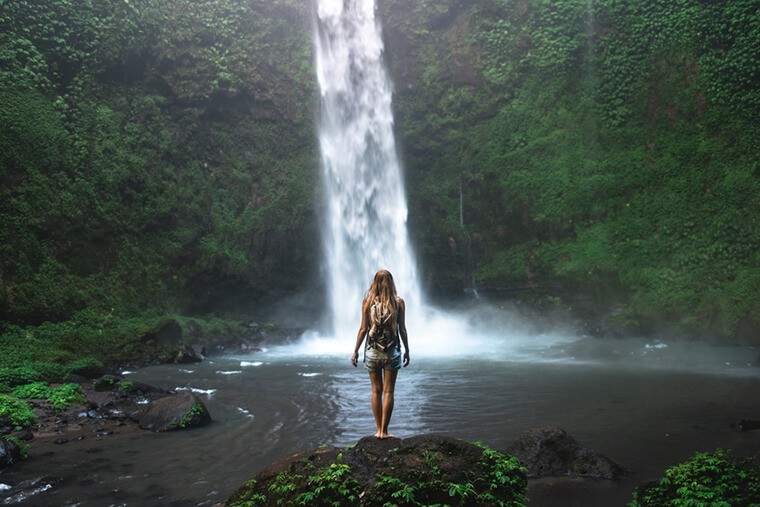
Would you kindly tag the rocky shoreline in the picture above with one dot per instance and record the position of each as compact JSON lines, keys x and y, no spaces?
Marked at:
{"x":423,"y":470}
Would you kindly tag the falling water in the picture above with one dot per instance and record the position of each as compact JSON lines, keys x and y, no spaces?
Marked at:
{"x":366,"y":212}
{"x":365,"y":218}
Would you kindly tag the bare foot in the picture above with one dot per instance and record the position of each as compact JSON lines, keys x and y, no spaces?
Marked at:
{"x":384,"y":435}
{"x":378,"y":434}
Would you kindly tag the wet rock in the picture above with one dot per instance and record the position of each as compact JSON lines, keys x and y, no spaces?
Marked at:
{"x":178,"y":411}
{"x":190,"y":354}
{"x":748,"y":329}
{"x":371,"y":472}
{"x":10,"y":453}
{"x":86,"y":370}
{"x":61,"y":441}
{"x":25,"y":490}
{"x":106,"y":382}
{"x":166,"y":333}
{"x":25,"y":435}
{"x":748,"y":425}
{"x":550,"y":451}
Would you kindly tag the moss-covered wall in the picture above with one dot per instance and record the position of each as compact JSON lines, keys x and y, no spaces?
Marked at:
{"x":153,"y":154}
{"x":607,"y":147}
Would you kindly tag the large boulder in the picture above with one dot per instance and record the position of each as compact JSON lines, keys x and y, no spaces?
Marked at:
{"x":167,"y":333}
{"x":425,"y":469}
{"x":175,"y":412}
{"x":190,"y":354}
{"x":550,"y":451}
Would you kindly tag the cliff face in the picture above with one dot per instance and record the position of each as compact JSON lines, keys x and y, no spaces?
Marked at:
{"x":162,"y":155}
{"x":156,"y":155}
{"x":588,"y":146}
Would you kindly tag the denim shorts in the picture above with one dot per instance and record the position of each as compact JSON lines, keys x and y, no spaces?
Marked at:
{"x":374,"y":360}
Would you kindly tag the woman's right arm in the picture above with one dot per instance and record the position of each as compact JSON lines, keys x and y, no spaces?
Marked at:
{"x":360,"y":335}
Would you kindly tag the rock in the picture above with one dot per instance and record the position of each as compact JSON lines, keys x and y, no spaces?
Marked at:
{"x":550,"y":451}
{"x":24,"y":490}
{"x":25,"y":435}
{"x":166,"y":333}
{"x":10,"y":453}
{"x":178,"y":411}
{"x":86,"y":369}
{"x":748,"y":425}
{"x":433,"y":469}
{"x":190,"y":354}
{"x":748,"y":329}
{"x":78,"y":379}
{"x":106,"y":382}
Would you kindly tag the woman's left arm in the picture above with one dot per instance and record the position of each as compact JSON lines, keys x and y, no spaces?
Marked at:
{"x":402,"y":329}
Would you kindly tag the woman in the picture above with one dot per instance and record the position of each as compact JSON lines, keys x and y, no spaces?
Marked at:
{"x":383,"y":320}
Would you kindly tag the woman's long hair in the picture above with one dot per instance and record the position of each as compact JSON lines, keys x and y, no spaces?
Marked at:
{"x":382,"y":290}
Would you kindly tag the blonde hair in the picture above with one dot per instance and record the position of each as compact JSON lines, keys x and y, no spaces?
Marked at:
{"x":382,"y":292}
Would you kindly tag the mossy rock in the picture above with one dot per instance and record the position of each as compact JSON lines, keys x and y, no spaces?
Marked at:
{"x":420,"y":470}
{"x":175,"y":412}
{"x":86,"y":367}
{"x":106,"y":382}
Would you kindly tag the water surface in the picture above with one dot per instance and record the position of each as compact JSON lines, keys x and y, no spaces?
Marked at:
{"x":269,"y":405}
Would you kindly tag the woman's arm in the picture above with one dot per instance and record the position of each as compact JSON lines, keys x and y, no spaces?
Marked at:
{"x":402,"y":329}
{"x":360,"y":335}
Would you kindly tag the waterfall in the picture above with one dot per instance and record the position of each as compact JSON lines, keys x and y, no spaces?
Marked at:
{"x":365,"y":210}
{"x":364,"y":223}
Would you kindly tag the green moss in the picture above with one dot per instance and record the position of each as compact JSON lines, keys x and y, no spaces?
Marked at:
{"x":22,"y":446}
{"x":706,"y":479}
{"x":16,"y":412}
{"x":187,"y":420}
{"x":126,"y":386}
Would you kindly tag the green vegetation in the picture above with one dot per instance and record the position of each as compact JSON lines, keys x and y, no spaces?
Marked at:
{"x":154,"y":156}
{"x":610,"y":147}
{"x":60,"y":397}
{"x":23,"y":447}
{"x":710,"y":479}
{"x":495,"y":480}
{"x":158,"y":159}
{"x":16,"y":412}
{"x":126,"y":386}
{"x":189,"y":418}
{"x":332,"y":485}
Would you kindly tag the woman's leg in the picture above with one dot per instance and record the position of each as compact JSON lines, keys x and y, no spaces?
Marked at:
{"x":376,"y":377}
{"x":389,"y":384}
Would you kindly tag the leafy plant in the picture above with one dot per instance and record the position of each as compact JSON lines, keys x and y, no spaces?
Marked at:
{"x":16,"y":412}
{"x":715,"y":479}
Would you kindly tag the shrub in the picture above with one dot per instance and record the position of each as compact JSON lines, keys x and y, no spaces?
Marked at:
{"x":17,"y":412}
{"x":67,"y":394}
{"x":60,"y":397}
{"x":33,"y":391}
{"x":710,"y":479}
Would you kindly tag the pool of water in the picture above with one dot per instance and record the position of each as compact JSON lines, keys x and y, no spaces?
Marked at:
{"x":274,"y":403}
